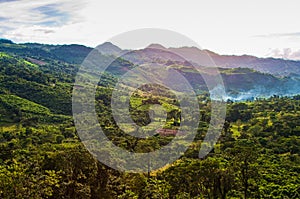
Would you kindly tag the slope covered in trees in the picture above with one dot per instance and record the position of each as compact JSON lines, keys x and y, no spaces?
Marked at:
{"x":256,"y":156}
{"x":41,"y":155}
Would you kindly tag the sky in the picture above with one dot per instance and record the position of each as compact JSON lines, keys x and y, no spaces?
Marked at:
{"x":263,"y":28}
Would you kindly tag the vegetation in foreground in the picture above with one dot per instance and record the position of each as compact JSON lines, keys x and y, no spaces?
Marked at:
{"x":257,"y":156}
{"x":41,"y":156}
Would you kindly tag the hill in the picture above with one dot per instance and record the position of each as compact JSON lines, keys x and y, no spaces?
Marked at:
{"x":39,"y":72}
{"x":42,"y":156}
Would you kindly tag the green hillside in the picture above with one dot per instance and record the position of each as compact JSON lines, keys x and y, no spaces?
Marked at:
{"x":15,"y":109}
{"x":41,"y":155}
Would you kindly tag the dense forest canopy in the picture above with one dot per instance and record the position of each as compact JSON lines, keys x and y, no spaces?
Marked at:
{"x":41,"y":155}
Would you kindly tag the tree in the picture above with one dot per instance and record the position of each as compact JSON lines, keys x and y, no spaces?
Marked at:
{"x":244,"y":159}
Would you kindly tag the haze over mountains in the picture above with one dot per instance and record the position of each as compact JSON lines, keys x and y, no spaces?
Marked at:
{"x":274,"y":66}
{"x":245,"y":77}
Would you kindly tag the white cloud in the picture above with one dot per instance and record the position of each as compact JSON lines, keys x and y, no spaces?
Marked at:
{"x":290,"y":34}
{"x":285,"y":53}
{"x":226,"y":27}
{"x":28,"y":20}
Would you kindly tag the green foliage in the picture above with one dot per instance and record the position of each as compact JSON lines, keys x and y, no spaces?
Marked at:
{"x":42,"y":157}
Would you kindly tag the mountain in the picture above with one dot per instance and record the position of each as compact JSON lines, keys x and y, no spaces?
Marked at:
{"x":108,"y":48}
{"x":39,"y":72}
{"x":5,"y":41}
{"x":196,"y":56}
{"x":74,"y":54}
{"x":42,"y":76}
{"x":157,"y":46}
{"x":245,"y":77}
{"x":277,"y":67}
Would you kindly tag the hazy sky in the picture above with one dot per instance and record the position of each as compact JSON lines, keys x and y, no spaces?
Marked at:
{"x":257,"y":27}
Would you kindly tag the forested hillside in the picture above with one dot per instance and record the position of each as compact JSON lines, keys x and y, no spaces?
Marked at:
{"x":41,"y":155}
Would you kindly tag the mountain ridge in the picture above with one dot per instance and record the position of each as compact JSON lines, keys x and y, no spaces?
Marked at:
{"x":76,"y":54}
{"x":60,"y":63}
{"x":275,"y":66}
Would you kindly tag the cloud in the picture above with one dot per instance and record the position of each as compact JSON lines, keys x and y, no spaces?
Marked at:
{"x":91,"y":22}
{"x":285,"y":53}
{"x":46,"y":31}
{"x":26,"y":19}
{"x":34,"y":12}
{"x":3,"y":18}
{"x":291,"y":34}
{"x":51,"y":15}
{"x":3,"y":1}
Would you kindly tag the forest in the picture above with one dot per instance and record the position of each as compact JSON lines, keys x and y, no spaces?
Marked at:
{"x":42,"y":156}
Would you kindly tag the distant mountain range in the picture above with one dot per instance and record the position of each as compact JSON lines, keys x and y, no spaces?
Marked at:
{"x":277,"y":67}
{"x":245,"y":77}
